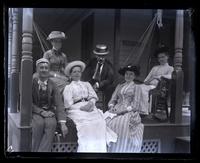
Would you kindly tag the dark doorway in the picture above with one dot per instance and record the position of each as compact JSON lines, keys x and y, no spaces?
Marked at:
{"x":87,"y":31}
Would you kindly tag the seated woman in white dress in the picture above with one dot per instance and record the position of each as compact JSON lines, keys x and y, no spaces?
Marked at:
{"x":125,"y":102}
{"x":79,"y":101}
{"x":154,"y":76}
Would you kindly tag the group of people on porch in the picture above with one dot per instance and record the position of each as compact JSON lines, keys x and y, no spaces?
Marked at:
{"x":70,"y":89}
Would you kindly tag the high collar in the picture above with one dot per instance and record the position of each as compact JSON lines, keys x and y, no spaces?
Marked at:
{"x":130,"y":82}
{"x":55,"y":50}
{"x":102,"y":62}
{"x":76,"y":81}
{"x":166,"y":64}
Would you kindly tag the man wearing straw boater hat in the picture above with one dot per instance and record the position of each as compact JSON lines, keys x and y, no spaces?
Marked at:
{"x":99,"y":72}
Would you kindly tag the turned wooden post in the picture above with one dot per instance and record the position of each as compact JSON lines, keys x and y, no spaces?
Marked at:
{"x":14,"y":62}
{"x":9,"y":55}
{"x":26,"y":80}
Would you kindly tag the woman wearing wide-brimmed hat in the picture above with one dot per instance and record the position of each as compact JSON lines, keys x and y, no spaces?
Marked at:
{"x":79,"y":101}
{"x":57,"y":59}
{"x":125,"y":102}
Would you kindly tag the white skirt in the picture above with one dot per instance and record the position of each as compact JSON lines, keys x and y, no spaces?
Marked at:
{"x":145,"y":100}
{"x":93,"y":134}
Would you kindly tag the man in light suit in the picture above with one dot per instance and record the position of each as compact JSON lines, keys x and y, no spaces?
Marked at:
{"x":47,"y":109}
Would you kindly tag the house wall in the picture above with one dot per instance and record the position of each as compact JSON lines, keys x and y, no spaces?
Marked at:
{"x":104,"y":29}
{"x":131,"y":29}
{"x":72,"y":45}
{"x":133,"y":24}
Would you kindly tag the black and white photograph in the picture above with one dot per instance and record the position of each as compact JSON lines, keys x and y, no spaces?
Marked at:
{"x":99,"y":80}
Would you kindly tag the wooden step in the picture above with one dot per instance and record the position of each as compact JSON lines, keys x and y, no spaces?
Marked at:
{"x":182,"y":144}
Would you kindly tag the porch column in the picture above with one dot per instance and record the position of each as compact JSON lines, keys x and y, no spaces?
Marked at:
{"x":9,"y":139}
{"x":177,"y":75}
{"x":116,"y":40}
{"x":14,"y":63}
{"x":9,"y":54}
{"x":26,"y":80}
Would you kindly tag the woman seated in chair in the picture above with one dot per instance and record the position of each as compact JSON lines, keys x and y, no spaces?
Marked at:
{"x":79,"y":101}
{"x":163,"y":70}
{"x":125,"y":102}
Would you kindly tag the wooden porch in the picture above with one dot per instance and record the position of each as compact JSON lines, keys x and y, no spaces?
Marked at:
{"x":177,"y":129}
{"x":154,"y":138}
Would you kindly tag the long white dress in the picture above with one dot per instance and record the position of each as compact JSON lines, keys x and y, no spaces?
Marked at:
{"x":93,"y":134}
{"x":159,"y":71}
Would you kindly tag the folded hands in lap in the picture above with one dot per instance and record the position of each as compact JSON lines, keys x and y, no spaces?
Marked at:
{"x":47,"y":114}
{"x":112,"y":109}
{"x":87,"y":107}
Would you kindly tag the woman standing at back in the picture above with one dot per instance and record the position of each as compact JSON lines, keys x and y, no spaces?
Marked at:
{"x":57,"y":59}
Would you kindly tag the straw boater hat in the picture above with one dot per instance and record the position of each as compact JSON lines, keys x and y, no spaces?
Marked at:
{"x":56,"y":35}
{"x":73,"y":64}
{"x":101,"y":50}
{"x":129,"y":67}
{"x":42,"y":60}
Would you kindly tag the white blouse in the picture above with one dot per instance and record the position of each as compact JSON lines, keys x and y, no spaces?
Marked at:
{"x":159,"y":71}
{"x":78,"y":90}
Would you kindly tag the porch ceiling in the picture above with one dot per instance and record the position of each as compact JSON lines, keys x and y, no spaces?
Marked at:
{"x":63,"y":19}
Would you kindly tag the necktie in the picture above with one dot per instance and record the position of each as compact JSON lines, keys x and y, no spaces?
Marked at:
{"x":42,"y":85}
{"x":56,"y":52}
{"x":96,"y":75}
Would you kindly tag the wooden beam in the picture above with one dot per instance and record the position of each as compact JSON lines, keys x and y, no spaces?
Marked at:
{"x":116,"y":40}
{"x":177,"y":75}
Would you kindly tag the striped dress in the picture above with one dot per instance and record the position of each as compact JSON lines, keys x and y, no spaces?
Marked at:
{"x":127,"y":126}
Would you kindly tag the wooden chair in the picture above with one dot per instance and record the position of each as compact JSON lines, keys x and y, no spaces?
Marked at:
{"x":100,"y":104}
{"x":72,"y":132}
{"x":160,"y":96}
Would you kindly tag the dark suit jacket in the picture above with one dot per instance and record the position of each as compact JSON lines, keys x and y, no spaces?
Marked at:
{"x":54,"y":99}
{"x":107,"y":74}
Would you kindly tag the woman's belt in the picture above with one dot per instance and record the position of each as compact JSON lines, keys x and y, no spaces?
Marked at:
{"x":81,"y":100}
